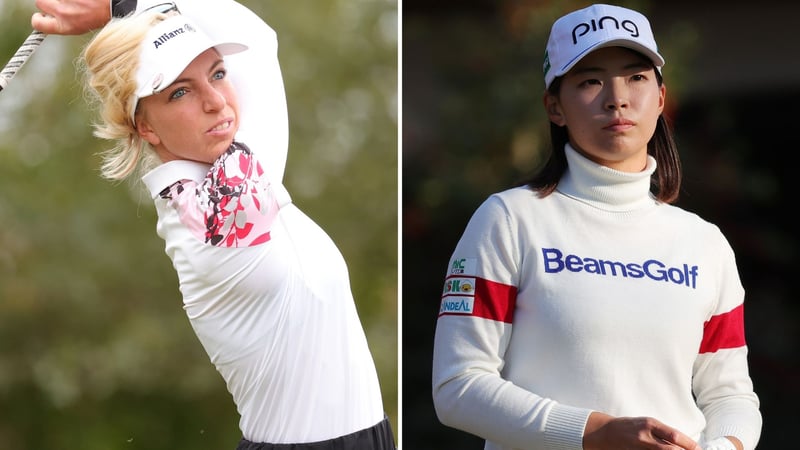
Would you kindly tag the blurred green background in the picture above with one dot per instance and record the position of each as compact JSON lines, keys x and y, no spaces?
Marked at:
{"x":95,"y":349}
{"x":473,"y":124}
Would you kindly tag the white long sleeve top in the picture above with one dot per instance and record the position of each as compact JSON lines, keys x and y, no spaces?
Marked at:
{"x":594,"y":298}
{"x":265,"y":289}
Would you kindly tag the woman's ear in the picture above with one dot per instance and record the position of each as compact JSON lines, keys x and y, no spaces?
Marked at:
{"x":662,"y":96}
{"x":145,"y":131}
{"x":553,"y":109}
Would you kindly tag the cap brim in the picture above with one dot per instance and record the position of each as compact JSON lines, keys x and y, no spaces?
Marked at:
{"x":186,"y":58}
{"x":656,"y":58}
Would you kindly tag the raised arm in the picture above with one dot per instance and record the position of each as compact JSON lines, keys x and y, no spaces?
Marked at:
{"x":73,"y":17}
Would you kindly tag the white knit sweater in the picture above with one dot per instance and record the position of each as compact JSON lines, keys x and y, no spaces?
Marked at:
{"x":594,"y":298}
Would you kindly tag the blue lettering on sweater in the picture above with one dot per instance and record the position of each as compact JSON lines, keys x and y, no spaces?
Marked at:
{"x":555,"y":261}
{"x":456,"y":305}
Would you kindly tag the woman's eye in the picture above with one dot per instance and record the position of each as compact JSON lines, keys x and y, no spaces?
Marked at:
{"x":220,"y":74}
{"x":178,"y":93}
{"x":591,"y":82}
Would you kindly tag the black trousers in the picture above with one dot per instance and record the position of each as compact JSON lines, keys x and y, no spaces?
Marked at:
{"x":378,"y":437}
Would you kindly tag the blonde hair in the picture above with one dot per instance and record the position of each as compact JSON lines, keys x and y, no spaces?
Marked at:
{"x":108,"y":64}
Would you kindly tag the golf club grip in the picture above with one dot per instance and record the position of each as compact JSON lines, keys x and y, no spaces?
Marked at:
{"x":20,"y":57}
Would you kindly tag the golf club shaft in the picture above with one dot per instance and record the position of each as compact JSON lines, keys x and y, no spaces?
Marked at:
{"x":20,"y":57}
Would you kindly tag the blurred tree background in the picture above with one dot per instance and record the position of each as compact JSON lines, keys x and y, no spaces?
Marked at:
{"x":473,"y":124}
{"x":95,"y":349}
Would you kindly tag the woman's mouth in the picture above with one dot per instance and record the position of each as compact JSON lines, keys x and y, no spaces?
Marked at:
{"x":222,"y":126}
{"x":619,"y":125}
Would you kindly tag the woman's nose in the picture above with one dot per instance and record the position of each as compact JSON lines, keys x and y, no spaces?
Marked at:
{"x":617,"y":97}
{"x":213,"y":100}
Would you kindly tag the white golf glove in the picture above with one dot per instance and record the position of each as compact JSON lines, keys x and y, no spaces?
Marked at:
{"x":720,"y":443}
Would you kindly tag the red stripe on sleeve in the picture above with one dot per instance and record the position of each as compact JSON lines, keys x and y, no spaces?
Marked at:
{"x":494,"y":300}
{"x":724,"y":331}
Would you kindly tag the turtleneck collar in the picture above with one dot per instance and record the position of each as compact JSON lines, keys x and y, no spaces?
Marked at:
{"x":606,"y":188}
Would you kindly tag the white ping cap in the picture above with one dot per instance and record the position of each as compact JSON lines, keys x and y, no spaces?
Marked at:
{"x":578,"y":33}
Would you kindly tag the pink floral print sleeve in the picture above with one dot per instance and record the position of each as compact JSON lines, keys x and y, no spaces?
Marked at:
{"x":234,"y":206}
